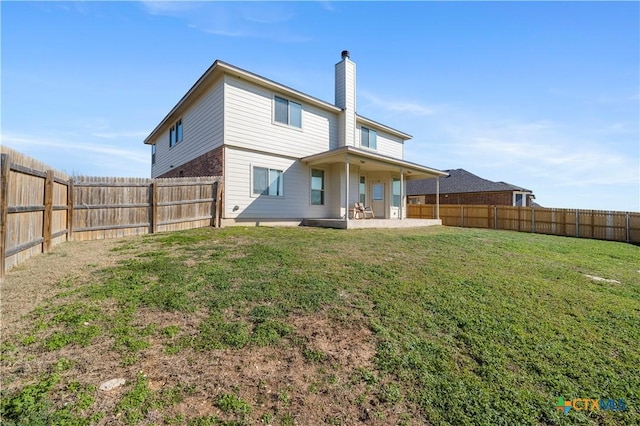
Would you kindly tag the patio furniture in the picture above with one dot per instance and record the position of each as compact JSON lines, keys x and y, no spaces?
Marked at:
{"x":362,"y":211}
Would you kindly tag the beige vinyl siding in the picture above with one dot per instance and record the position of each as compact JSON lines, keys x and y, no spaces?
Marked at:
{"x":340,"y":85}
{"x":295,"y":204}
{"x":345,"y":96}
{"x":249,"y":123}
{"x":354,"y":186}
{"x":202,"y":127}
{"x":387,"y":144}
{"x":335,"y":191}
{"x":350,"y":113}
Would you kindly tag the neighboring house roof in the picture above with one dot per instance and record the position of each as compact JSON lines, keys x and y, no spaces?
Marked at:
{"x":459,"y":181}
{"x":219,"y":68}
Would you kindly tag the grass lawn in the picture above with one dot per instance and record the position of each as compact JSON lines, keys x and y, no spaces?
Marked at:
{"x":315,"y":326}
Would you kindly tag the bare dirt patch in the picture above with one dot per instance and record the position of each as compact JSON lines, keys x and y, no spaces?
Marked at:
{"x":310,"y":377}
{"x":42,"y":277}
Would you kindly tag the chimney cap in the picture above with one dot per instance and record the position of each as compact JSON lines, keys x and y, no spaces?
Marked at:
{"x":345,"y":54}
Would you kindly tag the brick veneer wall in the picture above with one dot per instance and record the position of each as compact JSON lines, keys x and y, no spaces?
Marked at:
{"x":209,"y":164}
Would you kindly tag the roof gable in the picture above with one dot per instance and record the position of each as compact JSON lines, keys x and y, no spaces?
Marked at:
{"x":220,"y":68}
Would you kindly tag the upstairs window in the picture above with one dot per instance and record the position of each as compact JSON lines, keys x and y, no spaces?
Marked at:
{"x":267,"y":182}
{"x":153,"y":154}
{"x":172,"y":136}
{"x":317,"y":187}
{"x":179,"y":131}
{"x":287,"y":112}
{"x":175,"y":134}
{"x":368,"y":138}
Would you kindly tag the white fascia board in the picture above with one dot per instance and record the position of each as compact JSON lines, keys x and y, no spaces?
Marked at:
{"x":341,"y":154}
{"x":363,"y":120}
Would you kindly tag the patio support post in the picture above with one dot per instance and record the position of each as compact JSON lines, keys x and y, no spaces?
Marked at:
{"x":438,"y":198}
{"x":346,"y":189}
{"x":401,"y":194}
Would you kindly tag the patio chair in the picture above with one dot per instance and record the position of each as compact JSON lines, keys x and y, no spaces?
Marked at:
{"x":363,"y":211}
{"x":355,"y":212}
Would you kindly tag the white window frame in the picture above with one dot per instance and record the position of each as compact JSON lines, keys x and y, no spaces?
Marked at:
{"x":374,"y":195}
{"x":252,"y":194}
{"x":179,"y":135}
{"x":524,"y":199}
{"x":172,"y":136}
{"x":369,"y":131}
{"x":362,"y":195}
{"x":173,"y":133}
{"x":324,"y":186}
{"x":153,"y":154}
{"x":393,"y":195}
{"x":288,"y":123}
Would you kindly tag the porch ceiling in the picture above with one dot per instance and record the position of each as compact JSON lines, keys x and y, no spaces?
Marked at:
{"x":370,"y":161}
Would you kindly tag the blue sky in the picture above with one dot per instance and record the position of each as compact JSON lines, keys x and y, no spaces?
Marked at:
{"x":542,"y":95}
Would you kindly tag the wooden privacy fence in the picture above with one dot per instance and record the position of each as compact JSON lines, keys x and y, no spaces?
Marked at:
{"x":40,"y":207}
{"x":596,"y":224}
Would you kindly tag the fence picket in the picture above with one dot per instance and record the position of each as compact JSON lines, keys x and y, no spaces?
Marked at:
{"x":89,"y":207}
{"x":605,"y":225}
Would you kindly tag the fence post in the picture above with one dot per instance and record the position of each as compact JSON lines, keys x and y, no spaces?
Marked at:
{"x":154,"y":206}
{"x":577,"y":223}
{"x":519,"y":219}
{"x":4,"y":204}
{"x":495,"y":217}
{"x":214,"y":204}
{"x":70,"y":210}
{"x":627,"y":226}
{"x":462,"y":216}
{"x":533,"y":220}
{"x":48,"y":211}
{"x":219,"y":203}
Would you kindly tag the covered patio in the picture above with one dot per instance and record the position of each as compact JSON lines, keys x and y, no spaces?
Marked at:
{"x":373,"y":179}
{"x":370,"y":223}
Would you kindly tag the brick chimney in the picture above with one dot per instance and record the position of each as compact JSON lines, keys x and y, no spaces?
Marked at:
{"x":346,"y":99}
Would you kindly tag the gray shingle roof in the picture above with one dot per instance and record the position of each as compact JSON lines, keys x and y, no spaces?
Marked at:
{"x":458,"y":181}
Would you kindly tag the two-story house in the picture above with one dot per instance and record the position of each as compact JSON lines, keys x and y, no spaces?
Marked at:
{"x":285,"y":156}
